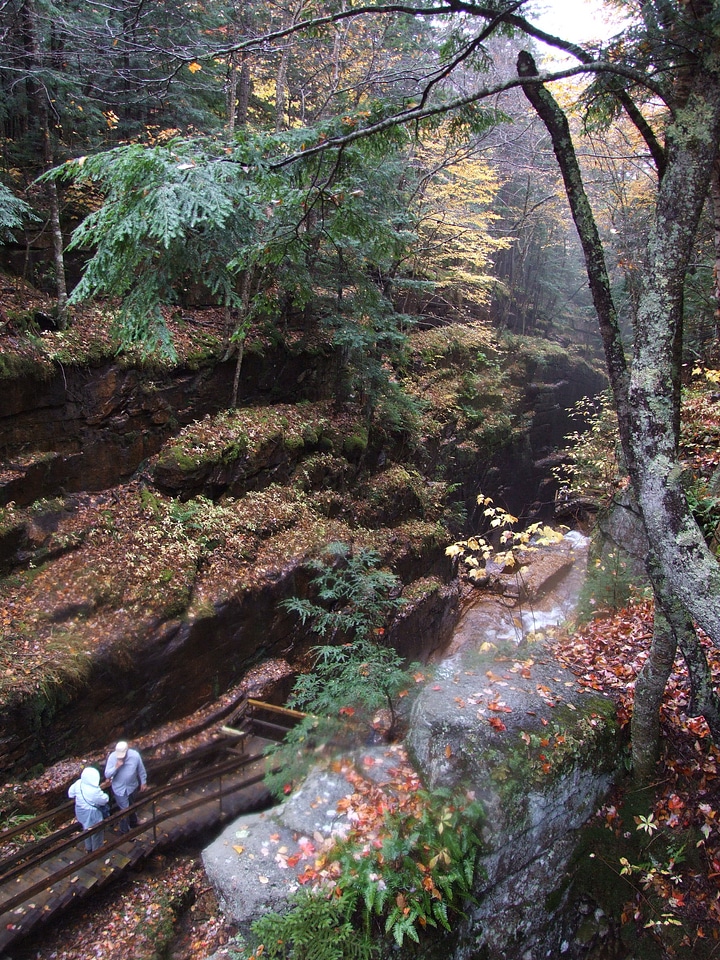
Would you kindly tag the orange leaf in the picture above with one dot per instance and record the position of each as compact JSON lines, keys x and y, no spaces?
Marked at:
{"x":496,"y":724}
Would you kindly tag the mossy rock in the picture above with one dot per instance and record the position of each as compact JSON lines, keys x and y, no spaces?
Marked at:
{"x":355,"y":445}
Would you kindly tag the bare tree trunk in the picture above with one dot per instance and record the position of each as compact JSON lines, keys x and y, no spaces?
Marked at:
{"x":649,"y":690}
{"x":238,"y":92}
{"x":715,"y":195}
{"x":243,"y":96}
{"x":704,"y":700}
{"x":241,"y":333}
{"x":231,"y":103}
{"x":673,"y":628}
{"x":281,"y":88}
{"x":38,"y":96}
{"x":58,"y":256}
{"x":236,"y":378}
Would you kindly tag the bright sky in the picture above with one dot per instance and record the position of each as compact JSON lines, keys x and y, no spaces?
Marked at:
{"x":575,"y":20}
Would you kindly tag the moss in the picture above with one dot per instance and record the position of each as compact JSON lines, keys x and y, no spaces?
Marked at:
{"x":422,"y":588}
{"x":17,"y":366}
{"x":236,"y":449}
{"x":585,"y":737}
{"x":177,"y":457}
{"x":294,"y":444}
{"x":355,"y":445}
{"x":149,"y":501}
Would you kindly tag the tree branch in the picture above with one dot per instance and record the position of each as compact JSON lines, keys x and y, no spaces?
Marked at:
{"x":417,"y":113}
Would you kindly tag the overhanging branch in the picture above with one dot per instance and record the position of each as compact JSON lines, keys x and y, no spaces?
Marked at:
{"x":418,"y":112}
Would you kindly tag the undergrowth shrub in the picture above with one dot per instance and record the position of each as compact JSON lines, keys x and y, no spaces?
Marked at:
{"x":354,"y":674}
{"x":411,"y":875}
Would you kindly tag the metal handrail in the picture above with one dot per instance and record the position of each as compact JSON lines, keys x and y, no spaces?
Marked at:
{"x":156,"y":767}
{"x":92,"y":856}
{"x":38,"y":852}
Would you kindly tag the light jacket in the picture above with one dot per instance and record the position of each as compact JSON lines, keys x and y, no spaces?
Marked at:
{"x":88,"y":797}
{"x":128,"y":777}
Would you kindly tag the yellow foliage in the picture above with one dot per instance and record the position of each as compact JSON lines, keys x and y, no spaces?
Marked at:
{"x":455,"y":218}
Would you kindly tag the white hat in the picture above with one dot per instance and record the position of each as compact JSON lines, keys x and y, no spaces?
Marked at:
{"x":121,"y":749}
{"x":91,"y":776}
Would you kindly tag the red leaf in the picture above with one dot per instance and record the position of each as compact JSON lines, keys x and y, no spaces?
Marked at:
{"x":499,"y":707}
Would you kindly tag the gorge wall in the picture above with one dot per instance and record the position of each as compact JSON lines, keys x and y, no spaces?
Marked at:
{"x":149,"y":535}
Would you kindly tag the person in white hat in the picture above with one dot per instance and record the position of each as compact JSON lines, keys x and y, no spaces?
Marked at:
{"x":90,"y":802}
{"x":126,"y":773}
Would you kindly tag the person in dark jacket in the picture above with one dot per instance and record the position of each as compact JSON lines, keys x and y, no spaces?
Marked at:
{"x":126,"y":773}
{"x":90,"y":804}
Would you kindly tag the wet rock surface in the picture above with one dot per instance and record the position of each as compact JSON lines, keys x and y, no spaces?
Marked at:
{"x":505,"y":723}
{"x":257,"y":861}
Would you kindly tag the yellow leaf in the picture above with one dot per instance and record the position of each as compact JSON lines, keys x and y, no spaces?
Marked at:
{"x":194,"y":67}
{"x":238,"y":849}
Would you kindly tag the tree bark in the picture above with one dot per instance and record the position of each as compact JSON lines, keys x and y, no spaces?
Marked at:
{"x":39,"y":97}
{"x":58,"y":255}
{"x":686,"y":578}
{"x":688,"y":565}
{"x":281,"y":89}
{"x":649,"y":690}
{"x":673,"y":628}
{"x":715,"y":194}
{"x":238,"y":94}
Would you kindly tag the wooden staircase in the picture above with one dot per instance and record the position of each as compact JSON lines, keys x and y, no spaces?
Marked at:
{"x":44,"y":877}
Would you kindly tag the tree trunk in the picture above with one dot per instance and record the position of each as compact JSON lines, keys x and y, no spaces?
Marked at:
{"x":715,"y":195}
{"x":38,"y":96}
{"x":704,"y":700}
{"x":231,"y":104}
{"x":243,"y":94}
{"x":238,"y":93}
{"x":687,"y":578}
{"x":649,"y":690}
{"x":281,"y":89}
{"x":690,"y":568}
{"x":58,"y":255}
{"x":672,"y":628}
{"x":240,"y":334}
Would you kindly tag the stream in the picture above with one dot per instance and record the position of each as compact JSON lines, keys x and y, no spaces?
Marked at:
{"x":539,"y":597}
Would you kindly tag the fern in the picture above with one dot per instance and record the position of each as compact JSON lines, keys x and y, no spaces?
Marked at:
{"x":419,"y":878}
{"x":13,"y":211}
{"x":314,"y":928}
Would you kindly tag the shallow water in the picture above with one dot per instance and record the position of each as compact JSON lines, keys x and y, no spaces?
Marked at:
{"x":502,"y":619}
